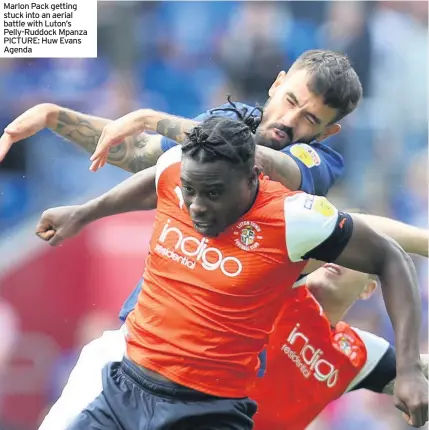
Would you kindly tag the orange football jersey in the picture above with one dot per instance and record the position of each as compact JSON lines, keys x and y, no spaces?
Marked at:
{"x":309,"y":364}
{"x":208,"y":304}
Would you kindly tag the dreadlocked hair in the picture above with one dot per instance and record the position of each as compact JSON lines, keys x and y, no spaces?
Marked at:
{"x":220,"y":138}
{"x":243,"y":114}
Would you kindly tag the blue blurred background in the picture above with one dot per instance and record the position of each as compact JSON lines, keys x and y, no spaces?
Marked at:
{"x":185,"y":57}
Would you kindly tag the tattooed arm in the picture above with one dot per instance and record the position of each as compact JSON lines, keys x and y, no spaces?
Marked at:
{"x":140,"y":150}
{"x":135,"y":153}
{"x":390,"y":387}
{"x":277,"y":165}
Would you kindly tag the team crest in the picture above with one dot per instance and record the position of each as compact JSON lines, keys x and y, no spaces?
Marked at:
{"x":247,"y":235}
{"x":344,"y":344}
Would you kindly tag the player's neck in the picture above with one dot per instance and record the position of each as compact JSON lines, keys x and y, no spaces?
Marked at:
{"x":333,"y":309}
{"x":334,"y":316}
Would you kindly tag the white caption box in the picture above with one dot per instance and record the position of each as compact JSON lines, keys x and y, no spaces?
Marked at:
{"x":48,"y":29}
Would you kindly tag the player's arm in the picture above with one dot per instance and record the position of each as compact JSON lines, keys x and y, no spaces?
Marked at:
{"x":316,"y":229}
{"x":279,"y":166}
{"x":390,"y":386}
{"x":136,"y":193}
{"x":413,"y":240}
{"x":133,"y":154}
{"x":283,"y":166}
{"x":173,"y":130}
{"x":378,"y":373}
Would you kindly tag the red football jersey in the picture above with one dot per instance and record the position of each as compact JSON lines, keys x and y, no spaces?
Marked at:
{"x":309,"y":364}
{"x":208,"y":304}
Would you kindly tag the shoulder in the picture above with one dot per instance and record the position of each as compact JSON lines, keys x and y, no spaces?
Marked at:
{"x":314,"y":228}
{"x":319,"y":164}
{"x":309,"y":216}
{"x":315,"y":154}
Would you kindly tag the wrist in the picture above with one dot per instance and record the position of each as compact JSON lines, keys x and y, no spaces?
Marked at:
{"x":408,"y":370}
{"x":146,"y":120}
{"x":51,"y":114}
{"x":405,"y":367}
{"x":89,"y":212}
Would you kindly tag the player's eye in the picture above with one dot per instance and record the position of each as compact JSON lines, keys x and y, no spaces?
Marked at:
{"x":310,"y":120}
{"x":290,"y":101}
{"x":187,"y":190}
{"x":214,"y":194}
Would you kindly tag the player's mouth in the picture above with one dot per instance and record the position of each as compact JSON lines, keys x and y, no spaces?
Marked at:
{"x":281,"y":135}
{"x":333,"y":269}
{"x":205,"y":228}
{"x":279,"y":138}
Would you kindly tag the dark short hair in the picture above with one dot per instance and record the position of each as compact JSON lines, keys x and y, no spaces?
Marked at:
{"x":333,"y":78}
{"x":220,"y":138}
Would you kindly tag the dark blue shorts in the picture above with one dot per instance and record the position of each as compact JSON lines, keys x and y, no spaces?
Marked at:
{"x":131,"y":400}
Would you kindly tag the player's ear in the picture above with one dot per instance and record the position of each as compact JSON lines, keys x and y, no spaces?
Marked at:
{"x":329,"y":131}
{"x":369,"y":289}
{"x":254,"y":174}
{"x":279,"y":80}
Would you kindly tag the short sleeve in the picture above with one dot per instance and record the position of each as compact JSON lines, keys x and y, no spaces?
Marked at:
{"x":319,"y":164}
{"x":380,"y":366}
{"x":309,"y":220}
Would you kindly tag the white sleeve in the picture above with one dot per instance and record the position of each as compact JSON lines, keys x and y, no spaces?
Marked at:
{"x":376,"y":347}
{"x":173,"y":155}
{"x":309,"y":220}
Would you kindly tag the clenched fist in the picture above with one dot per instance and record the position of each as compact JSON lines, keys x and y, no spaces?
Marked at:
{"x":58,"y":224}
{"x":411,"y":397}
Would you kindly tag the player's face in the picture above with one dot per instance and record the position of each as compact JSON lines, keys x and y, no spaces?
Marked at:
{"x":340,"y":286}
{"x":294,"y":114}
{"x":215,"y":194}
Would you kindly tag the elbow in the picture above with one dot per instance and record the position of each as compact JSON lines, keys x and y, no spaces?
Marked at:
{"x":144,"y":113}
{"x":391,"y":254}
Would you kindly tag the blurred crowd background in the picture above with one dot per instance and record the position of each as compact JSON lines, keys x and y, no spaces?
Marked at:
{"x":183,"y":58}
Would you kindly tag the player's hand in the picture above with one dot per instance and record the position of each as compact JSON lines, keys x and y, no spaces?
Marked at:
{"x":26,"y":125}
{"x":113,"y":134}
{"x":58,"y":224}
{"x":411,"y":397}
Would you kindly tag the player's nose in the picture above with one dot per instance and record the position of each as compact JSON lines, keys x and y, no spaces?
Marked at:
{"x":290,"y":118}
{"x":198,"y":208}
